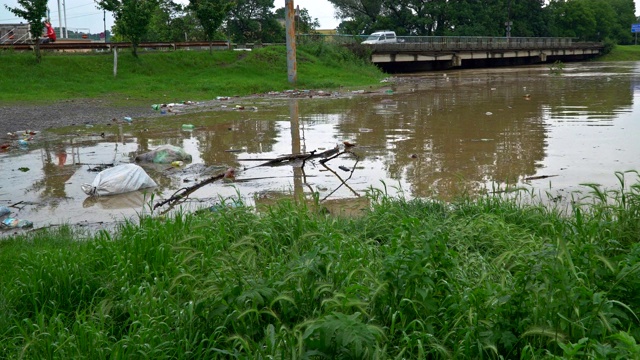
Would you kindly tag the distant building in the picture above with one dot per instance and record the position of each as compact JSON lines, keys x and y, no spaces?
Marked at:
{"x":327,"y":31}
{"x":14,"y":33}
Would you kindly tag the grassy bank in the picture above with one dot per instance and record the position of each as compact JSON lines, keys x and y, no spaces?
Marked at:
{"x":190,"y":75}
{"x":409,"y":279}
{"x":622,"y":53}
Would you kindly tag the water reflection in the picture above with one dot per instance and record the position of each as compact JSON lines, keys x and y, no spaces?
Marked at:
{"x":436,"y":134}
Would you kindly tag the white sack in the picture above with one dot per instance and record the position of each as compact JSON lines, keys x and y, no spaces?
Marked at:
{"x":119,"y":179}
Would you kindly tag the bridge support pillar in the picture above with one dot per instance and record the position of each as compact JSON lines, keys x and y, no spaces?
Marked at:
{"x":456,"y":61}
{"x":543,"y":57}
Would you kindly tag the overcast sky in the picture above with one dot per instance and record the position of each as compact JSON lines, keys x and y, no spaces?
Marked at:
{"x":82,"y":15}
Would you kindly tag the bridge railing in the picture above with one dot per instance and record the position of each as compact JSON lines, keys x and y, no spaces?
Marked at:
{"x":482,"y":42}
{"x":443,"y":43}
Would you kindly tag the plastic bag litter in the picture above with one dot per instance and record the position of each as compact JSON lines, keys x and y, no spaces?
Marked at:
{"x":164,"y":154}
{"x":119,"y":179}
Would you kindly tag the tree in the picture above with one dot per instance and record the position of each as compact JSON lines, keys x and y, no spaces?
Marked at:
{"x":361,"y":16}
{"x":162,"y":23}
{"x":572,"y":19}
{"x":304,"y":23}
{"x":132,"y":18}
{"x":252,"y":20}
{"x":211,"y":14}
{"x":32,"y":11}
{"x":625,"y":10}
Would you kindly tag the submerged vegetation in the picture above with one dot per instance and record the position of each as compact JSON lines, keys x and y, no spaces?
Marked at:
{"x":415,"y":279}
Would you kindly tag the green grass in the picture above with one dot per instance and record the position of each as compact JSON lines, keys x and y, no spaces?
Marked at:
{"x":187,"y":75}
{"x":622,"y":53}
{"x":486,"y":278}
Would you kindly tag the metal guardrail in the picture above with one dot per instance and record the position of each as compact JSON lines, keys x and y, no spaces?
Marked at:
{"x":112,"y":45}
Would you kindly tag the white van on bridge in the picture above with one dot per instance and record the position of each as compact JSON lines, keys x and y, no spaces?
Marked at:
{"x":382,"y":37}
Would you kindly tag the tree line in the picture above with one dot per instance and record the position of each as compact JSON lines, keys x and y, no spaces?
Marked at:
{"x":238,"y":21}
{"x":256,"y":21}
{"x":587,"y":20}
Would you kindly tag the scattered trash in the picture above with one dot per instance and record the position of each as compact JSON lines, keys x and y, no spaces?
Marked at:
{"x":488,"y":113}
{"x":4,"y":211}
{"x":164,"y":154}
{"x":23,"y":143}
{"x":98,"y":167}
{"x":348,"y":144}
{"x":239,"y":107}
{"x":24,"y":169}
{"x":344,"y":168}
{"x":155,"y":107}
{"x":5,"y":146}
{"x":177,"y":163}
{"x":222,"y":207}
{"x":357,"y":92}
{"x":117,"y":180}
{"x":127,"y":119}
{"x":229,"y":175}
{"x":13,"y":223}
{"x":389,"y":92}
{"x":222,"y":98}
{"x":188,"y":127}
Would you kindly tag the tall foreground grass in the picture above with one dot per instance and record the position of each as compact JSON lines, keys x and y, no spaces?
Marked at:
{"x":476,"y":279}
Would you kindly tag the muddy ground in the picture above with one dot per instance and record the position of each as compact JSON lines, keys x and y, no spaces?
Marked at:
{"x":20,"y":117}
{"x":63,"y":113}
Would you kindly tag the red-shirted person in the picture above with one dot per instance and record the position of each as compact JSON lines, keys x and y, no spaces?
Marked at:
{"x":51,"y":33}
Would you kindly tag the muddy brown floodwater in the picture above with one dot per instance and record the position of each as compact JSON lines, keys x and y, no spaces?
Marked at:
{"x":436,"y":135}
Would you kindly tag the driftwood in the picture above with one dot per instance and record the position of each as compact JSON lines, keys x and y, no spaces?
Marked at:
{"x":182,"y":193}
{"x":287,"y":159}
{"x":538,"y":177}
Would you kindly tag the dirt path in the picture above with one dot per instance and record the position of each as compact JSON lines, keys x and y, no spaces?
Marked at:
{"x":19,"y":117}
{"x":64,"y":113}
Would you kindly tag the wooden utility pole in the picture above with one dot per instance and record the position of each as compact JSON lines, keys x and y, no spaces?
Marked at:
{"x":292,"y":65}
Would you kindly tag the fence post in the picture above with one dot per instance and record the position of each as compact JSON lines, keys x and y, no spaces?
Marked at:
{"x":115,"y":61}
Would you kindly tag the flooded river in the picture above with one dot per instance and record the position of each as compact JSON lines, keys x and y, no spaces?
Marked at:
{"x":436,"y":134}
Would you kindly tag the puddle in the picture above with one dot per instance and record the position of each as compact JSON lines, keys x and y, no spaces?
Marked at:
{"x":430,"y":137}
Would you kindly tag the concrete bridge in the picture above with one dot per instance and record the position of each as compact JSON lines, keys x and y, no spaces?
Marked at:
{"x":445,"y":52}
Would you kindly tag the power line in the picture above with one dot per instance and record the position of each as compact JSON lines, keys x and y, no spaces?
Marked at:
{"x":75,"y":7}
